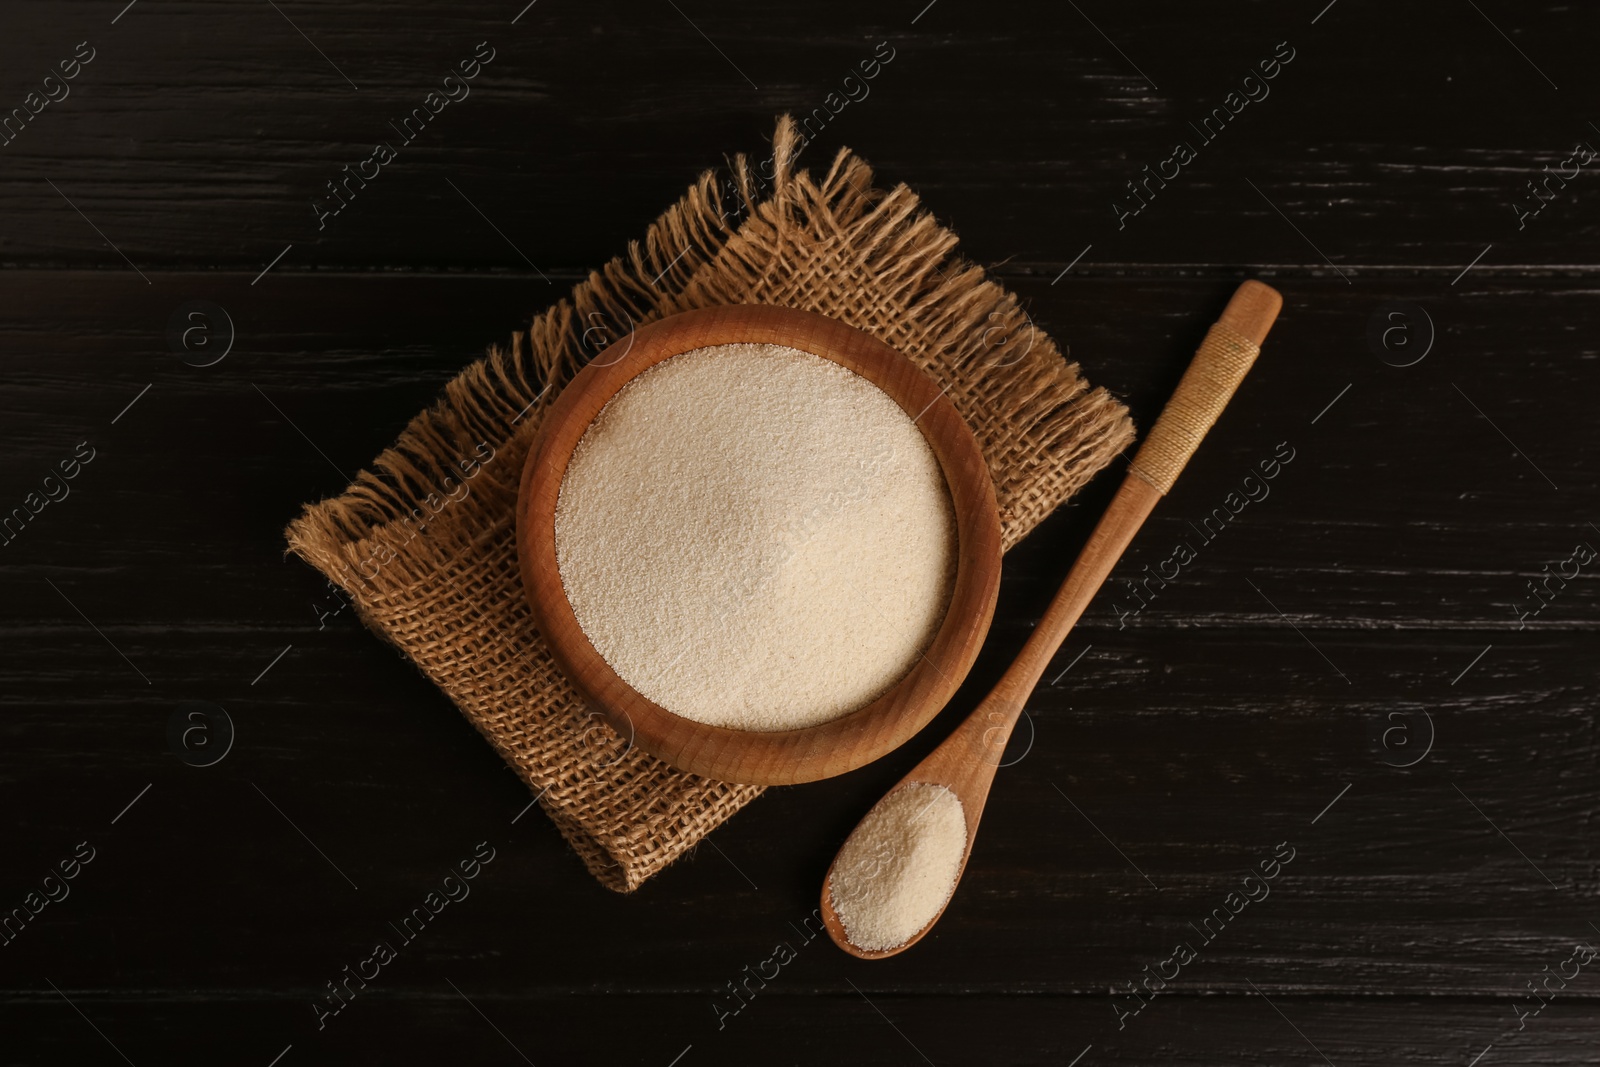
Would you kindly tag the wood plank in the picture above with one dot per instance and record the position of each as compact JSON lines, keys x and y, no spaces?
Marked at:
{"x":1184,"y":760}
{"x":473,"y":1022}
{"x":204,"y":134}
{"x":1405,"y":506}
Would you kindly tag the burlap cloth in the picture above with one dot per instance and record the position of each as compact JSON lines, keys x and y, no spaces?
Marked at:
{"x":423,"y":540}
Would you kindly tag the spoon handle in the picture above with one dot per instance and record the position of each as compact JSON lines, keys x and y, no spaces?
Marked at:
{"x":966,"y":761}
{"x":1229,"y":350}
{"x":1219,"y":365}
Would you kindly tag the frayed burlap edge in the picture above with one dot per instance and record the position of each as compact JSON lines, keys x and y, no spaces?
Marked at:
{"x":423,"y":539}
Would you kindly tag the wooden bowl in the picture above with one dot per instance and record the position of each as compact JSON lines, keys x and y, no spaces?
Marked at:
{"x":778,"y":757}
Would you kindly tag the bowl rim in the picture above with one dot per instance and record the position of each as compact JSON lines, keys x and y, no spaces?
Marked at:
{"x":777,"y":757}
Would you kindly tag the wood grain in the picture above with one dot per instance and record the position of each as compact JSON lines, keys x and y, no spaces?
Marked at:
{"x":201,"y":135}
{"x":1177,"y":744}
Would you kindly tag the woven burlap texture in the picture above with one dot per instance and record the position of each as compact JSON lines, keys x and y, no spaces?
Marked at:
{"x":423,"y":540}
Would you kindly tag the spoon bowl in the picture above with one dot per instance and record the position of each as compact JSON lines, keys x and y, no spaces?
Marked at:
{"x":834,"y":923}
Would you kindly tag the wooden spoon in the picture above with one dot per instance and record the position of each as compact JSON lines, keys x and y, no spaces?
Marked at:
{"x":966,"y":761}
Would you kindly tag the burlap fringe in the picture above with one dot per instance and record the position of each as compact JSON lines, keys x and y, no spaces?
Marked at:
{"x":749,"y":239}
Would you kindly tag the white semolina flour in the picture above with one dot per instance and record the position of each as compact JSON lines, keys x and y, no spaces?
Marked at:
{"x":899,"y":866}
{"x":755,"y":537}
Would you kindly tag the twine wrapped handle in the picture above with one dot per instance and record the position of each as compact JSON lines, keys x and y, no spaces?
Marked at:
{"x":1219,"y":365}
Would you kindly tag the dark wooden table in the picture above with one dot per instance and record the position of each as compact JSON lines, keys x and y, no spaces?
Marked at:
{"x":1355,"y":669}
